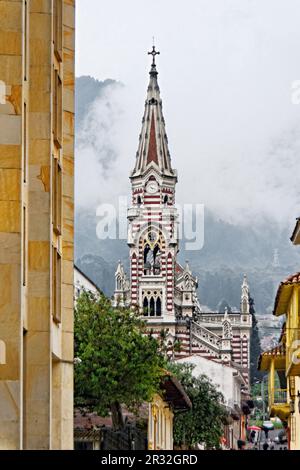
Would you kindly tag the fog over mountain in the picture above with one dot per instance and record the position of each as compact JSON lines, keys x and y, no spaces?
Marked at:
{"x":230,"y":248}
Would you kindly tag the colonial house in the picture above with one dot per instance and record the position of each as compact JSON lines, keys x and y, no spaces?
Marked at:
{"x":172,"y":399}
{"x":283,"y":361}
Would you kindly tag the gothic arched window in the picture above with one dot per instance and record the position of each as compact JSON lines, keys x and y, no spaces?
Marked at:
{"x":145,"y":307}
{"x":119,"y":283}
{"x":158,"y":307}
{"x":152,"y":307}
{"x":139,"y":200}
{"x":166,"y":200}
{"x":152,"y":253}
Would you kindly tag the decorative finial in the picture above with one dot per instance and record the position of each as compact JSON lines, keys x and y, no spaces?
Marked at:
{"x":153,"y":53}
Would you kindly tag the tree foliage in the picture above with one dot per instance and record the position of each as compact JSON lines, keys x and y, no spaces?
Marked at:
{"x":204,"y":422}
{"x":255,"y":347}
{"x":115,"y":362}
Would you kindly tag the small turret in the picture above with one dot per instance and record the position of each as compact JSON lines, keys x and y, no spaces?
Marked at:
{"x":245,"y":297}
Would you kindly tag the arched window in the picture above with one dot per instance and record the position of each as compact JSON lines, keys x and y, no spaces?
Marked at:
{"x":119,"y":283}
{"x":145,"y":307}
{"x":152,"y":307}
{"x":166,"y":200}
{"x":152,"y":260}
{"x":158,"y":307}
{"x":139,"y":201}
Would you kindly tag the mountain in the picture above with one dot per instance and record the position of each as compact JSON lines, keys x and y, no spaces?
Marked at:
{"x":264,"y":252}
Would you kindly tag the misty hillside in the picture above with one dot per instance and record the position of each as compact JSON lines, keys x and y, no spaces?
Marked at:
{"x":228,"y":252}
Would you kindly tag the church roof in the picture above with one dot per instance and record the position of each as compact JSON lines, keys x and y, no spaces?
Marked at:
{"x":153,"y":144}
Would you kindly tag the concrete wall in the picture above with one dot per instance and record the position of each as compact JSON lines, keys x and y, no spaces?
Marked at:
{"x":36,"y":374}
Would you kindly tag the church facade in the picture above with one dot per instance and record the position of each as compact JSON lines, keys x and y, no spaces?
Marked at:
{"x":164,"y":291}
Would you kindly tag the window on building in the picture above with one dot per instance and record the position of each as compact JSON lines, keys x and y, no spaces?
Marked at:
{"x":24,"y":247}
{"x":25,"y":142}
{"x":56,"y":285}
{"x":58,"y":28}
{"x":158,"y":307}
{"x":2,"y":353}
{"x":152,"y":305}
{"x":57,"y":109}
{"x":56,"y":196}
{"x":145,"y":307}
{"x":25,"y":39}
{"x":152,"y":259}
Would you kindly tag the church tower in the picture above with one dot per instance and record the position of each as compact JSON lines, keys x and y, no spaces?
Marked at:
{"x":152,"y":235}
{"x":164,"y":291}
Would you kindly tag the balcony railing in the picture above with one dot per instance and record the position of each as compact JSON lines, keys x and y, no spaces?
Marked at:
{"x":280,"y":396}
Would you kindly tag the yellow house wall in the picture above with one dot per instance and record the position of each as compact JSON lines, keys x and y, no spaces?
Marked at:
{"x":36,"y":354}
{"x":160,"y":425}
{"x":292,"y":333}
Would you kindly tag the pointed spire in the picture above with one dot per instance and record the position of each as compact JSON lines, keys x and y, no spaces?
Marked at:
{"x":187,"y":267}
{"x":245,"y":297}
{"x":153,"y":145}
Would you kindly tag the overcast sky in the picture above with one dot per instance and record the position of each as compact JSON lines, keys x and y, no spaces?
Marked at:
{"x":225,"y":72}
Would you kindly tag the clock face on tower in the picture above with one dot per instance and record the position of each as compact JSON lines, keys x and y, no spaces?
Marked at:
{"x":152,"y":187}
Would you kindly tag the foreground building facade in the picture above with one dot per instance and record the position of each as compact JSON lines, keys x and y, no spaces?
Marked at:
{"x":36,"y":223}
{"x":164,"y":291}
{"x":283,"y":362}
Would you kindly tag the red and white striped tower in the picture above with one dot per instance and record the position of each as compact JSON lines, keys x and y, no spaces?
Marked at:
{"x":152,"y":235}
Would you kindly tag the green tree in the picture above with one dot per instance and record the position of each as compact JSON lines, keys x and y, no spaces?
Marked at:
{"x":115,"y":362}
{"x":204,"y":422}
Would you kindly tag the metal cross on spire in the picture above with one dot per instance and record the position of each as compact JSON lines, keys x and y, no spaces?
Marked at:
{"x":153,"y":53}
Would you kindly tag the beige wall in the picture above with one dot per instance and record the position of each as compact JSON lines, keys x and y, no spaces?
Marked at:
{"x":36,"y":356}
{"x":160,"y":425}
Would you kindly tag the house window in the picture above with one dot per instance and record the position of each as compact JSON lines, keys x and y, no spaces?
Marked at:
{"x":56,"y":196}
{"x":58,"y":28}
{"x":56,"y":285}
{"x":2,"y":353}
{"x":25,"y":143}
{"x":24,"y":247}
{"x":57,"y":109}
{"x":25,"y":40}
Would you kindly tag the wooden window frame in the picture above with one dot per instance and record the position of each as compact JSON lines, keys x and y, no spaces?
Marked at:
{"x":25,"y":117}
{"x":57,"y":196}
{"x":57,"y":109}
{"x":26,"y":20}
{"x":24,"y":248}
{"x":58,"y":29}
{"x":56,"y":284}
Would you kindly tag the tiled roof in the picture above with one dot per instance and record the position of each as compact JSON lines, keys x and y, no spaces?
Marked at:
{"x":282,"y":295}
{"x":293,"y":278}
{"x":278,"y":350}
